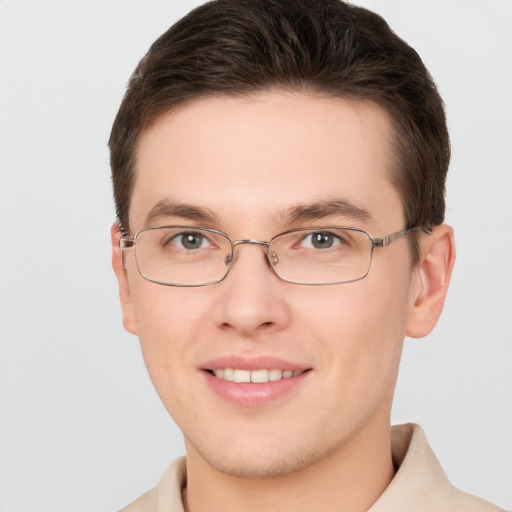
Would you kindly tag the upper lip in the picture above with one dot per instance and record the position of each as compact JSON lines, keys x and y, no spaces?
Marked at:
{"x":252,"y":363}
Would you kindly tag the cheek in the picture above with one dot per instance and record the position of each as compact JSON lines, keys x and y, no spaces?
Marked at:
{"x":360,"y":326}
{"x":168,"y":321}
{"x":166,"y":315}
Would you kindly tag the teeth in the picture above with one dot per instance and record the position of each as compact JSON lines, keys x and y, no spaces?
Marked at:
{"x":242,"y":376}
{"x":259,"y":376}
{"x":275,"y":374}
{"x":255,"y":376}
{"x":229,"y":374}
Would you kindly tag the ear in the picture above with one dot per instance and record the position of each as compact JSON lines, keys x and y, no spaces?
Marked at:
{"x":433,"y":277}
{"x":124,"y":288}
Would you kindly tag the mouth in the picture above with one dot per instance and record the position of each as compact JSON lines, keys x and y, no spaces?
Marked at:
{"x":259,"y":376}
{"x":257,"y":381}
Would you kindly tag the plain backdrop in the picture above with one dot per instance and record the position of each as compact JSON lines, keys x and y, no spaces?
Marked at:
{"x":81,"y":426}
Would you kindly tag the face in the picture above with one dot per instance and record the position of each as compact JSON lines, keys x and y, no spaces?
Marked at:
{"x":241,"y":165}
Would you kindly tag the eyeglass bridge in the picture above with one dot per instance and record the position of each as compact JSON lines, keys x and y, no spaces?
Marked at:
{"x":251,"y":241}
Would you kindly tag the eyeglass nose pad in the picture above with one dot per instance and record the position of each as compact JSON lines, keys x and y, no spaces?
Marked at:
{"x":231,"y":258}
{"x":274,"y":259}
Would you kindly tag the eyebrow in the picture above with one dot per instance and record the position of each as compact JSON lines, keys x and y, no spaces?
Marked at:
{"x":296,"y":213}
{"x":168,"y":208}
{"x":321,"y":209}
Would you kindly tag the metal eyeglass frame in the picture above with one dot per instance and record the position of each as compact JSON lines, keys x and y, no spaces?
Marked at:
{"x":128,"y":242}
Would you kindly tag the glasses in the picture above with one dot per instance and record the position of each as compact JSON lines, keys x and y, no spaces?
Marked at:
{"x":190,"y":256}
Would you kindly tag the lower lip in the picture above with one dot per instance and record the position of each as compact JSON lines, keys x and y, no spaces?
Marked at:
{"x":248,"y":394}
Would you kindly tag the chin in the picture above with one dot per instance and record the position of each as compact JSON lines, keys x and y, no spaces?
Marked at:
{"x":258,"y":462}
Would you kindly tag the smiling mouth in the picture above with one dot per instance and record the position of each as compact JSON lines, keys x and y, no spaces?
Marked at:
{"x":254,"y":376}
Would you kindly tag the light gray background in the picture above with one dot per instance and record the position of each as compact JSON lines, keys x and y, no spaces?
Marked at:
{"x":81,"y":427}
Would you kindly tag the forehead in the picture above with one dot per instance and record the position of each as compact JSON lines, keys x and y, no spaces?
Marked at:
{"x":259,"y":156}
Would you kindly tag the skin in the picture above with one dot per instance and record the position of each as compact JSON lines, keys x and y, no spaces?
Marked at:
{"x":325,"y":445}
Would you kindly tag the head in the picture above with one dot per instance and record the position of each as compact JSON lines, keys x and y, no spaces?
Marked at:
{"x":242,"y":47}
{"x":253,"y":118}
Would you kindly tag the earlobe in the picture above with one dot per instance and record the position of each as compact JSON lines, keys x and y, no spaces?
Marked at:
{"x":433,"y":278}
{"x":129,"y":322}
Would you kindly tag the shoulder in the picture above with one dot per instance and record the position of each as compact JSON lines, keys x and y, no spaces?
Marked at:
{"x":464,"y":502}
{"x":420,"y":483}
{"x":167,"y":495}
{"x":145,"y":503}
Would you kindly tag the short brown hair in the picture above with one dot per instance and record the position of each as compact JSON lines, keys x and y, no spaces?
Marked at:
{"x":237,"y":47}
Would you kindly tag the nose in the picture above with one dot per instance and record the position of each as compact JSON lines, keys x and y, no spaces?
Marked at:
{"x":251,"y":299}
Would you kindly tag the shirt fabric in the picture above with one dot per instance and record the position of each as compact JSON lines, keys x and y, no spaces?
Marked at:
{"x":419,"y":485}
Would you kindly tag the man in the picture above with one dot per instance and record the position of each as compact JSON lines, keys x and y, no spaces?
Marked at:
{"x":279,"y":174}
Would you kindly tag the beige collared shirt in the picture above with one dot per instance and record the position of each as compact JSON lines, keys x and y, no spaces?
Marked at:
{"x":420,"y":484}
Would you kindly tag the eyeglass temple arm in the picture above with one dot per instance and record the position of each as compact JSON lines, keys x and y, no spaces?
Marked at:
{"x":125,"y":242}
{"x":389,"y":239}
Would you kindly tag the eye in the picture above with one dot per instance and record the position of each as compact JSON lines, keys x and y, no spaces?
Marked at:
{"x":189,"y":241}
{"x":321,"y":240}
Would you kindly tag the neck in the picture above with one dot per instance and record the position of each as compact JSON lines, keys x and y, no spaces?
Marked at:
{"x":352,"y":477}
